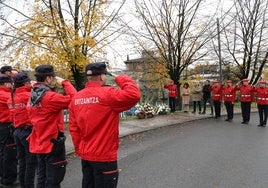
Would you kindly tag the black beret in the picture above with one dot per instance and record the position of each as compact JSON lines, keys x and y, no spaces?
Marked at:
{"x":20,"y":79}
{"x":97,"y":69}
{"x":44,"y":70}
{"x":5,"y":68}
{"x":5,"y":79}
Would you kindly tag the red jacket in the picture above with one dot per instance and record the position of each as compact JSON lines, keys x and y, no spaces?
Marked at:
{"x":94,"y":118}
{"x":18,"y":110}
{"x":172,"y":90}
{"x":5,"y":93}
{"x":246,"y":92}
{"x":216,"y":93}
{"x":262,"y":95}
{"x":229,"y":93}
{"x":47,"y":117}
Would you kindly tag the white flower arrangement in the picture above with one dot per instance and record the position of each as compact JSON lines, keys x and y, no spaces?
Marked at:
{"x":139,"y":109}
{"x":162,"y":109}
{"x":144,"y":111}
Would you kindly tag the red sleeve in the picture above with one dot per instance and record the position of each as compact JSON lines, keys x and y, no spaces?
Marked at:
{"x":57,"y":101}
{"x":126,"y":97}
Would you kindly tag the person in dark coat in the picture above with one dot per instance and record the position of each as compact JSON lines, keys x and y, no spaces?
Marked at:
{"x":207,"y":97}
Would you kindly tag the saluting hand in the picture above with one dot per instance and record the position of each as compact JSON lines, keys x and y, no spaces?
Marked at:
{"x":59,"y":79}
{"x":114,"y":75}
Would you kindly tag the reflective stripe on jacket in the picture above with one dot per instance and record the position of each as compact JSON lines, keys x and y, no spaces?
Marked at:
{"x":172,"y":90}
{"x":246,"y":93}
{"x":229,"y":93}
{"x":262,"y":95}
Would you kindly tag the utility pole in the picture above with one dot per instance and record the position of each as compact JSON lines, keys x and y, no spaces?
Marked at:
{"x":219,"y":45}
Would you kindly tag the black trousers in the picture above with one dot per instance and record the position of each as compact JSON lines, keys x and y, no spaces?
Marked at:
{"x":8,"y":161}
{"x":230,"y":109}
{"x":172,"y":104}
{"x":246,"y":108}
{"x":205,"y":104}
{"x":51,"y":168}
{"x":263,"y":113}
{"x":199,"y":105}
{"x":99,"y":174}
{"x":217,"y":106}
{"x":27,"y":161}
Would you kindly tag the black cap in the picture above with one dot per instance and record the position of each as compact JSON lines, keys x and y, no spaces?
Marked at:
{"x":5,"y":68}
{"x":5,"y":79}
{"x":96,"y":69}
{"x":44,"y":70}
{"x":20,"y":79}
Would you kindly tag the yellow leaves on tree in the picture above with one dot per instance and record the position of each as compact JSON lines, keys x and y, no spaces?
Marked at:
{"x":56,"y":40}
{"x":156,"y":74}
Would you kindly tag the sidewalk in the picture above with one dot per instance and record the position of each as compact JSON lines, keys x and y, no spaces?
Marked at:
{"x":133,"y":126}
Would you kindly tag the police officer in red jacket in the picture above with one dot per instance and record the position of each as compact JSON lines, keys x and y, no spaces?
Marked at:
{"x":17,"y":103}
{"x":8,"y":161}
{"x":216,"y":91}
{"x":172,"y":95}
{"x":94,"y":123}
{"x":47,"y":138}
{"x":262,"y":102}
{"x":229,"y":93}
{"x":246,"y":97}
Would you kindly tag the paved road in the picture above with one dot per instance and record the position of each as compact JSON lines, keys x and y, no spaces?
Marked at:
{"x":202,"y":154}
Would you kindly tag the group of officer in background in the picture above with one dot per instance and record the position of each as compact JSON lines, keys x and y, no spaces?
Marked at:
{"x":248,"y":93}
{"x":215,"y":93}
{"x":32,"y":136}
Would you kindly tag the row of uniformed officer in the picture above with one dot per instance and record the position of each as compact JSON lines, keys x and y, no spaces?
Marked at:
{"x":247,"y":93}
{"x":39,"y":136}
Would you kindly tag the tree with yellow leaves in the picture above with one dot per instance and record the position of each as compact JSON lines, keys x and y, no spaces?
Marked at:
{"x":66,"y":34}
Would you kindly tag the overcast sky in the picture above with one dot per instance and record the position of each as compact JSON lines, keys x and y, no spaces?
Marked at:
{"x":118,"y":50}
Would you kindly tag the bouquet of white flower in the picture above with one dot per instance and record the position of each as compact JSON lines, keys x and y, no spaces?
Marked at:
{"x":144,"y":111}
{"x":162,"y":109}
{"x":149,"y":110}
{"x":139,"y":112}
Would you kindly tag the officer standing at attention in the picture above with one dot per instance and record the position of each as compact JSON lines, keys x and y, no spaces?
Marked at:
{"x":229,"y":93}
{"x":172,"y":95}
{"x":246,"y":97}
{"x":17,"y":103}
{"x":47,"y":137}
{"x":262,"y":101}
{"x":8,"y":161}
{"x":94,"y":124}
{"x":216,"y":91}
